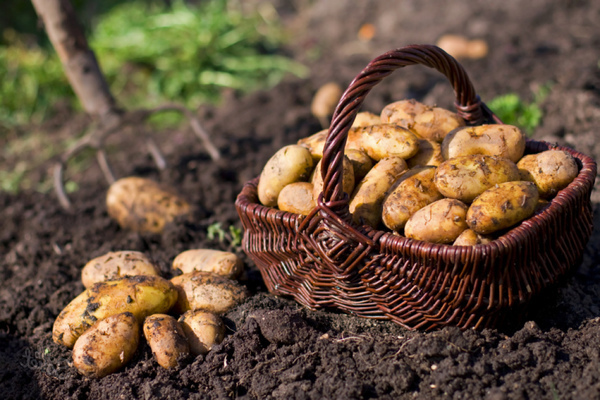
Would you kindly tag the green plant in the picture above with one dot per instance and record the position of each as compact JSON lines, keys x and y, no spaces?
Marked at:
{"x":233,"y":236}
{"x":511,"y":109}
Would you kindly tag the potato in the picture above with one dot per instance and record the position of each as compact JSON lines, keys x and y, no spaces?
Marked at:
{"x":550,"y":170}
{"x":166,"y":338}
{"x":471,"y":238}
{"x":315,"y":144}
{"x":365,"y":118}
{"x":107,"y":346}
{"x":219,"y":262}
{"x":505,"y":141}
{"x":347,"y":178}
{"x":116,"y":264}
{"x":428,"y":122}
{"x":210,"y":292}
{"x":466,"y":177}
{"x":460,"y":47}
{"x":142,"y":205}
{"x":502,"y":206}
{"x":439,"y":222}
{"x":325,"y":100}
{"x":388,"y":140}
{"x":361,"y":163}
{"x":429,"y":153}
{"x":290,"y":164}
{"x":297,"y":198}
{"x":411,"y":192}
{"x":366,"y":201}
{"x":203,"y":330}
{"x":142,"y":295}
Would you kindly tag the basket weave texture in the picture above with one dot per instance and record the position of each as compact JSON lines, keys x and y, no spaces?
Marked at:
{"x":323,"y":260}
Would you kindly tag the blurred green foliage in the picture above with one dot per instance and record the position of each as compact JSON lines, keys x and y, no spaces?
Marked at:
{"x":512,"y":110}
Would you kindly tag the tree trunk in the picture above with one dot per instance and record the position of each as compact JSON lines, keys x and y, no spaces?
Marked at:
{"x":78,"y":60}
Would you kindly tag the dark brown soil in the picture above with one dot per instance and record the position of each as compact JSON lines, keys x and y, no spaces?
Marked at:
{"x":274,"y":348}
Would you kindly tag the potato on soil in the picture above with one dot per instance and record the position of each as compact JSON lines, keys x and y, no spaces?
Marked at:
{"x":290,"y":164}
{"x":388,"y":140}
{"x":325,"y":100}
{"x":466,"y":177}
{"x":505,"y":141}
{"x":361,"y":163}
{"x":142,"y":205}
{"x":297,"y":198}
{"x":116,"y":264}
{"x":347,"y":178}
{"x":439,"y":222}
{"x":460,"y":47}
{"x":471,"y":238}
{"x":412,"y":191}
{"x":141,"y":295}
{"x":429,"y":153}
{"x":210,"y":292}
{"x":550,"y":170}
{"x":502,"y":206}
{"x":365,"y":118}
{"x":107,"y":346}
{"x":367,"y":199}
{"x":203,"y":330}
{"x":222,"y":263}
{"x":166,"y":338}
{"x":428,"y":122}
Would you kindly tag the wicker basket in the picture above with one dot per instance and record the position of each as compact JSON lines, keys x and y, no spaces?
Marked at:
{"x":324,"y":260}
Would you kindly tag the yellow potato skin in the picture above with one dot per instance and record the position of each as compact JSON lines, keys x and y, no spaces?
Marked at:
{"x":297,"y":198}
{"x":141,"y":205}
{"x":222,"y":263}
{"x":203,"y":330}
{"x":470,"y":238}
{"x":551,"y":171}
{"x":505,"y":141}
{"x":412,"y":191}
{"x":210,"y":292}
{"x":347,"y":178}
{"x":429,"y":153}
{"x":107,"y":346}
{"x":366,"y":118}
{"x":466,"y":177}
{"x":367,"y":199}
{"x":166,"y":338}
{"x":439,"y":222}
{"x":502,"y":206}
{"x":388,"y":140}
{"x":116,"y":264}
{"x":428,"y":122}
{"x":140,"y":295}
{"x":315,"y":144}
{"x":361,"y":163}
{"x":290,"y":164}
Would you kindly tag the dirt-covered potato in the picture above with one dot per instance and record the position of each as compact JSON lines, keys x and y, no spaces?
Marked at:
{"x":325,"y":100}
{"x":166,"y":338}
{"x":142,"y":205}
{"x":210,"y":292}
{"x":365,"y":118}
{"x":439,"y":222}
{"x":347,"y":178}
{"x":107,"y":346}
{"x":471,"y":238}
{"x":315,"y":144}
{"x":412,"y":191}
{"x":297,"y":198}
{"x":361,"y":163}
{"x":388,"y":140}
{"x":222,"y":263}
{"x":466,"y":177}
{"x":290,"y":164}
{"x":550,"y":170}
{"x":203,"y":330}
{"x":366,"y":201}
{"x":429,"y":153}
{"x":504,"y":141}
{"x":116,"y":264}
{"x":502,"y":206}
{"x":428,"y":122}
{"x":141,"y":295}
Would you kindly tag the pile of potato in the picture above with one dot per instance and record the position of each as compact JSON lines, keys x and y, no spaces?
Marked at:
{"x":420,"y":172}
{"x":125,"y":294}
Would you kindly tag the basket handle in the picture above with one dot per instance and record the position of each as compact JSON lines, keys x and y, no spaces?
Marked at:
{"x":467,"y":103}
